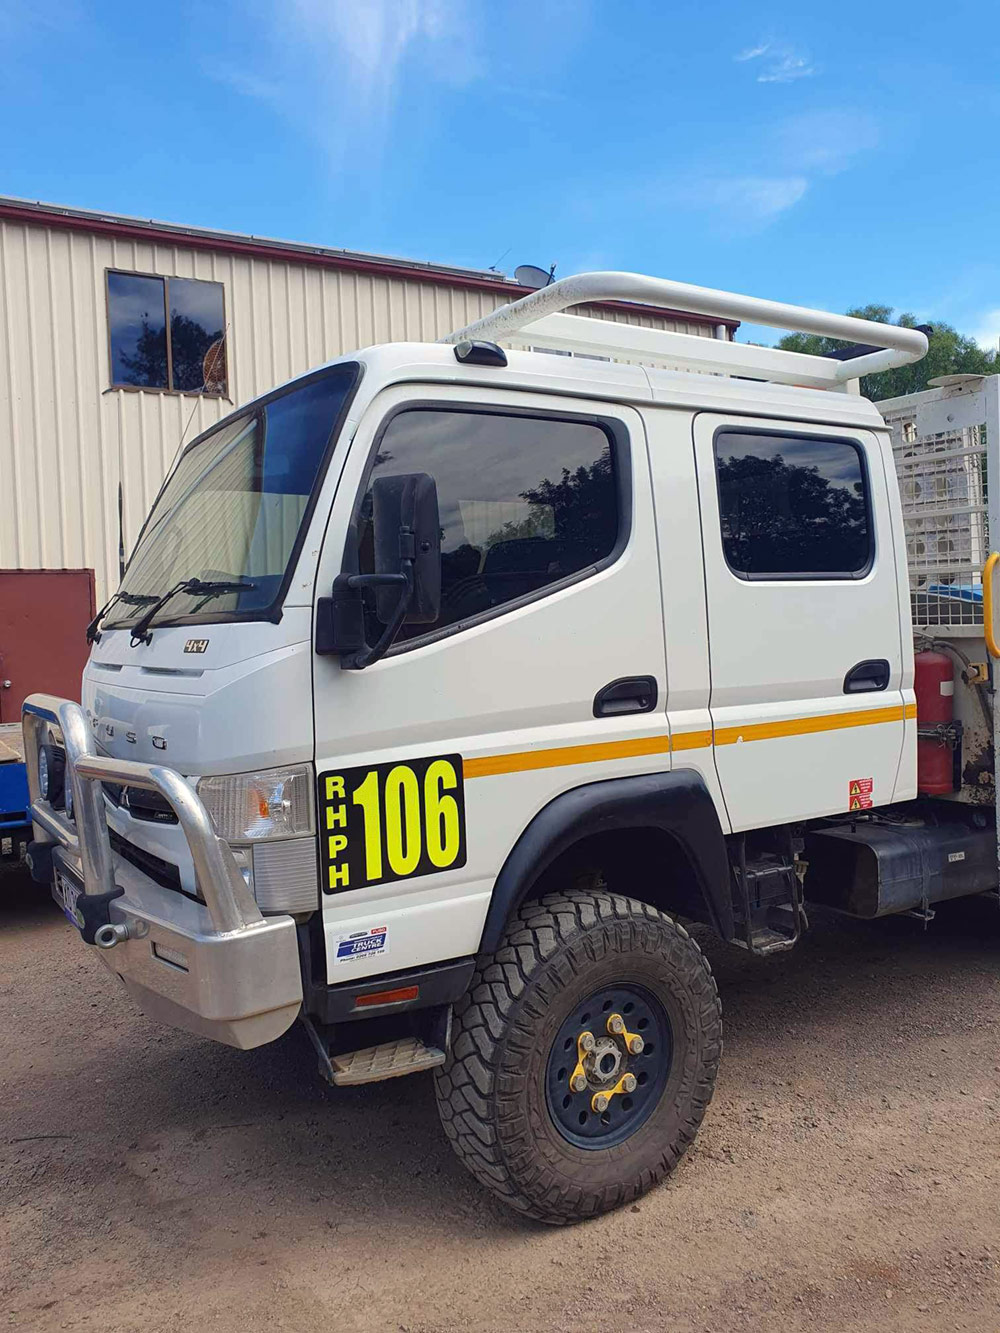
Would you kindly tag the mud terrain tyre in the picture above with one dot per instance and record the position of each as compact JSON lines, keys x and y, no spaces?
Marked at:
{"x":574,"y":969}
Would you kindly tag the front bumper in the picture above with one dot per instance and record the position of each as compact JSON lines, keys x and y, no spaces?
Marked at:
{"x":221,"y":970}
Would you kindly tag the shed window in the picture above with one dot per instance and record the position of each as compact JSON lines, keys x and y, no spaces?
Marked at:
{"x":793,"y":506}
{"x":166,"y":333}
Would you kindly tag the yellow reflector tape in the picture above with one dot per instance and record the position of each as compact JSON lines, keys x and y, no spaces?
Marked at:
{"x":807,"y":726}
{"x":523,"y":761}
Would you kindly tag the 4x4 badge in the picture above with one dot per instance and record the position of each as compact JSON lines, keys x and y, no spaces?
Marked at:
{"x":196,"y":645}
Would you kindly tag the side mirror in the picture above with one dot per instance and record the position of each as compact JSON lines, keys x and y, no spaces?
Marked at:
{"x":407,"y":577}
{"x":407,"y":532}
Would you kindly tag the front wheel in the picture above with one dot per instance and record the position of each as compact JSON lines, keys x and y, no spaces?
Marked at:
{"x":583,"y":1058}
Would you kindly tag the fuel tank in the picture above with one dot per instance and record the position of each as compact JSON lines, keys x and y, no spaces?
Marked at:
{"x":876,"y":868}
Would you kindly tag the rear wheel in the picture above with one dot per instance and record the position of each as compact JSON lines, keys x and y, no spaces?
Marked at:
{"x":583,"y":1056}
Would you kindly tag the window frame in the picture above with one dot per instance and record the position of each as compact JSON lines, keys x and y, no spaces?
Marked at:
{"x":619,"y":441}
{"x":274,"y":612}
{"x":814,"y":576}
{"x":165,"y":278}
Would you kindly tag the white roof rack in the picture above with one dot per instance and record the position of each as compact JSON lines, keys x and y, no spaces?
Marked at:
{"x":539,"y":318}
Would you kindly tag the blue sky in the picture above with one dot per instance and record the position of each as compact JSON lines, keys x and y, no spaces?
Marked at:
{"x":824,"y":154}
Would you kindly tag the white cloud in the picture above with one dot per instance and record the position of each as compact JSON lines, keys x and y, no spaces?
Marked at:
{"x":368,"y":42}
{"x":25,"y":18}
{"x":244,"y":81}
{"x":779,"y":62}
{"x":752,"y":52}
{"x":335,"y":67}
{"x":778,"y":170}
{"x":987,"y":330}
{"x":824,"y":141}
{"x":744,"y":203}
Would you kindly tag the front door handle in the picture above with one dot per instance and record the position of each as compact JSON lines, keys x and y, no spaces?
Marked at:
{"x":867,"y":676}
{"x":630,"y":694}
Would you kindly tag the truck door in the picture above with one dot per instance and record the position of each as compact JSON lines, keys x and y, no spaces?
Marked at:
{"x":433,"y":761}
{"x":804,"y":612}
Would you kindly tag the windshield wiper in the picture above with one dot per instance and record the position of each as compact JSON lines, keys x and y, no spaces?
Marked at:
{"x":196,"y":588}
{"x":132,"y":598}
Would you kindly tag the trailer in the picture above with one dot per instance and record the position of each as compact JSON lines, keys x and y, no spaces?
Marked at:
{"x":448,"y":685}
{"x":15,"y":821}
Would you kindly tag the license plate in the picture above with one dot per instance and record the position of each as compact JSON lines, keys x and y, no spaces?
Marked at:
{"x":67,"y":891}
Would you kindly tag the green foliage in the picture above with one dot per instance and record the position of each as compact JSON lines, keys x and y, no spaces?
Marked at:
{"x":949,"y":353}
{"x":188,"y":344}
{"x":783,"y":516}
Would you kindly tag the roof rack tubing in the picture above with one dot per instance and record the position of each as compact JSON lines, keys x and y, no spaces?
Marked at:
{"x":902,"y":345}
{"x":662,"y":347}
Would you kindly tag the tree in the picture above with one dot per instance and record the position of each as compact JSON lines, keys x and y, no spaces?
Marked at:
{"x":949,"y":353}
{"x":189,"y":342}
{"x":147,"y":368}
{"x":778,"y":515}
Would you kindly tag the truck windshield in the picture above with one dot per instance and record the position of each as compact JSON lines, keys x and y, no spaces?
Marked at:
{"x":233,"y":508}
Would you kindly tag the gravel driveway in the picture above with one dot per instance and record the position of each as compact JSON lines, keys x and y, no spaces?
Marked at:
{"x":847,"y":1176}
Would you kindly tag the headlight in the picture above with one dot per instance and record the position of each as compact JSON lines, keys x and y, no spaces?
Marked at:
{"x":248,"y":807}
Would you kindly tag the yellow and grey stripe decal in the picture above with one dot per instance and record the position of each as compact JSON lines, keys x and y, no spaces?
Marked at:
{"x":523,"y":761}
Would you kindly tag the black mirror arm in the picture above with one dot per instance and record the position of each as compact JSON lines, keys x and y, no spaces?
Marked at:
{"x":367,"y":656}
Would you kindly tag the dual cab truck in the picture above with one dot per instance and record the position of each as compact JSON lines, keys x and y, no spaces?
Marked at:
{"x":445,"y":683}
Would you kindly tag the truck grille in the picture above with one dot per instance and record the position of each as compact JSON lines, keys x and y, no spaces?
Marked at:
{"x":140,"y":803}
{"x":161,"y":872}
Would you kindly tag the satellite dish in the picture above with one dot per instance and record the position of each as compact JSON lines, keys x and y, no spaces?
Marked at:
{"x":529,"y":275}
{"x":213,"y":367}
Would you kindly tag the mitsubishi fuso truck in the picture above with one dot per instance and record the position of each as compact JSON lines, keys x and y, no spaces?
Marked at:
{"x":449,"y":684}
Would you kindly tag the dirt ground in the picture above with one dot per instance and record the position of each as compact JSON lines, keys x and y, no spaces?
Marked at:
{"x":847,"y":1175}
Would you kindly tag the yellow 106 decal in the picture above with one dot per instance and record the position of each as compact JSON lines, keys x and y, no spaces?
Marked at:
{"x":394,"y":821}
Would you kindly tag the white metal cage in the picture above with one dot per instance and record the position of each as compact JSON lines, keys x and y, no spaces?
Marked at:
{"x":940,"y":443}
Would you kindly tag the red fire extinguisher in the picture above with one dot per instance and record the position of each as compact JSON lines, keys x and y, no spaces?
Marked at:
{"x":934,"y":685}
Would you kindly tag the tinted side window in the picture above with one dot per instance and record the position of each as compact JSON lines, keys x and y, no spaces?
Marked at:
{"x":524,"y":503}
{"x":792,"y":505}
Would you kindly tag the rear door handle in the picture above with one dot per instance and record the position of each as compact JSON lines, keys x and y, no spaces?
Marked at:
{"x":867,"y":676}
{"x":630,"y":694}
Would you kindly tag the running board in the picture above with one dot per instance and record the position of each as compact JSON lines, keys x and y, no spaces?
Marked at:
{"x":764,"y":940}
{"x":409,"y":1055}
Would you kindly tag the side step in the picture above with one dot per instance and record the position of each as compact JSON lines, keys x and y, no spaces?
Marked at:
{"x":764,"y":940}
{"x":767,"y":898}
{"x":409,"y":1055}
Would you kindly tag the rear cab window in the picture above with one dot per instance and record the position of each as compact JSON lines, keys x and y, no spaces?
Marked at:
{"x":793,"y":506}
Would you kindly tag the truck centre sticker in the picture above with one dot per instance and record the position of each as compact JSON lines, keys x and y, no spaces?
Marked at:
{"x":361,"y":944}
{"x":393,"y":821}
{"x":859,"y":793}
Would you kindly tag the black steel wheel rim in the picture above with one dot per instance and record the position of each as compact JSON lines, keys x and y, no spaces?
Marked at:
{"x":572,"y":1111}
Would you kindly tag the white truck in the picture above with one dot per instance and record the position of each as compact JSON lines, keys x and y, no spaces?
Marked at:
{"x":445,"y":682}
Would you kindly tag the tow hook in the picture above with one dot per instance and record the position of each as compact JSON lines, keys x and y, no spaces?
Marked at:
{"x":106,"y":937}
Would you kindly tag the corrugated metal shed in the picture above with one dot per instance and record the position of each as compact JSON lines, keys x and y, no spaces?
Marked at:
{"x":67,"y":437}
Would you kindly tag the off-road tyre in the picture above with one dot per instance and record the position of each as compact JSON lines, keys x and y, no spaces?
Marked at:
{"x":491,"y":1091}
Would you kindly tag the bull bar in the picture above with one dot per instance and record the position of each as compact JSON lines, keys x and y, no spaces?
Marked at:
{"x":234,"y":977}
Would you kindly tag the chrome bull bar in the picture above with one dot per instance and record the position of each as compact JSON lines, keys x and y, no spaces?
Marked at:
{"x":227,"y":897}
{"x":242,"y":980}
